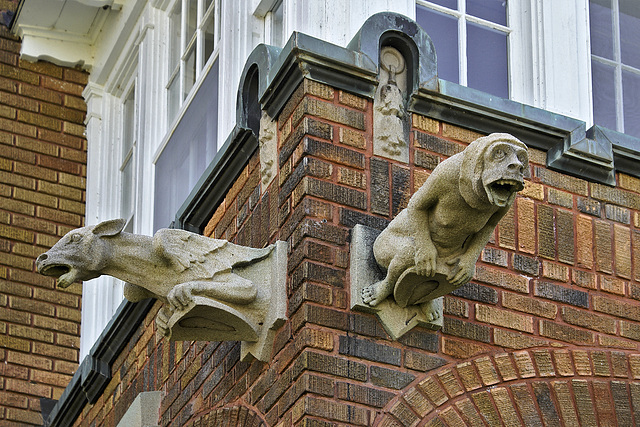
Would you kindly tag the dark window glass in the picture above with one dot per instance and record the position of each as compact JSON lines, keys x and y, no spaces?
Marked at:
{"x":491,"y":10}
{"x":604,"y":99}
{"x":190,"y":149}
{"x":209,"y":38}
{"x":631,"y":96}
{"x":630,"y":32}
{"x":443,"y":30}
{"x":601,"y":27}
{"x":487,"y":67}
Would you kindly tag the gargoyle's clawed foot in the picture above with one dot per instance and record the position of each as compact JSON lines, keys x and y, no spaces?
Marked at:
{"x":376,"y":293}
{"x":180,"y":297}
{"x":162,"y":322}
{"x":432,"y":315}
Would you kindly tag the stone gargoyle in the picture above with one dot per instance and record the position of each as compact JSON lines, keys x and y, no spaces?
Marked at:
{"x":212,"y":289}
{"x":430,"y":248}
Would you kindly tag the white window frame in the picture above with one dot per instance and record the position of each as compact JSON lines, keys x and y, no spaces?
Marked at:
{"x":617,"y":65}
{"x":196,"y":42}
{"x":131,"y":157}
{"x":462,"y":18}
{"x":270,"y":23}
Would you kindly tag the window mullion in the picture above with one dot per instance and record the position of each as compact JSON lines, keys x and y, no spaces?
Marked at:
{"x":183,"y":46}
{"x":617,"y":56}
{"x":199,"y":38}
{"x":462,"y":37}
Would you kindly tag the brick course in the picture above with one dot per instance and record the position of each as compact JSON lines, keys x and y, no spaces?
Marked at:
{"x":42,"y":196}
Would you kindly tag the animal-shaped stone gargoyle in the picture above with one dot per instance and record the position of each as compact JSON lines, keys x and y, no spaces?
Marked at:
{"x":430,"y":248}
{"x":212,"y":290}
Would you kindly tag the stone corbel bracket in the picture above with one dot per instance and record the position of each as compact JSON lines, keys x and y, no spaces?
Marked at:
{"x":211,"y":289}
{"x":364,"y":271}
{"x":254,"y":324}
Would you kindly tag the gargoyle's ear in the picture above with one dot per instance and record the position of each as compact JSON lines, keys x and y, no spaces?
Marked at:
{"x":109,"y":228}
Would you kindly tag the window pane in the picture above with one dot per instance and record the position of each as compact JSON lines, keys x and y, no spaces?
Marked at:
{"x":192,"y":18}
{"x":491,"y":10}
{"x":631,"y":96}
{"x":630,"y":32}
{"x":601,"y":26}
{"x":277,"y":26}
{"x":451,"y":4}
{"x":487,"y":66}
{"x":174,"y":100}
{"x":189,"y":70}
{"x":191,"y":148}
{"x":174,"y":38}
{"x":604,"y":98}
{"x":209,"y":38}
{"x":128,"y":124}
{"x":126,"y":201}
{"x":443,"y":30}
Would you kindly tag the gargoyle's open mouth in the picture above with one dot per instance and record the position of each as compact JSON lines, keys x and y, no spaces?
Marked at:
{"x":55,"y":270}
{"x":502,"y":189}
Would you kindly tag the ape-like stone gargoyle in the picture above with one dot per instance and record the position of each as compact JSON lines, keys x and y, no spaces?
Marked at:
{"x":430,"y":248}
{"x":211,"y":289}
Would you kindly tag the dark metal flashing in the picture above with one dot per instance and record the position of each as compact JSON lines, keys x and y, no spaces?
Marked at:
{"x":307,"y":57}
{"x":94,"y":373}
{"x":595,"y":154}
{"x":570,"y":148}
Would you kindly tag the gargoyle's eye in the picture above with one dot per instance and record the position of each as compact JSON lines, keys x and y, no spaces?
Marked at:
{"x":75,"y":238}
{"x":499,"y":154}
{"x":522,"y":158}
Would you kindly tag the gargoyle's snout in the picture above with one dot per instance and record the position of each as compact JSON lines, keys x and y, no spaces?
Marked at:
{"x":40,"y":262}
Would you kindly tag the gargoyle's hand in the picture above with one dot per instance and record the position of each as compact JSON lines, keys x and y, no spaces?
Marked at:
{"x":462,"y":272}
{"x":162,"y":321}
{"x":180,"y":297}
{"x":425,"y":260}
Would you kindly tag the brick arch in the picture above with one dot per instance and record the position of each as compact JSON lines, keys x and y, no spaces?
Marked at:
{"x":231,"y":416}
{"x":530,"y":387}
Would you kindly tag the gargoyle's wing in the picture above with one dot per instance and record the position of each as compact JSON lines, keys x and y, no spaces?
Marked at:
{"x":184,"y":249}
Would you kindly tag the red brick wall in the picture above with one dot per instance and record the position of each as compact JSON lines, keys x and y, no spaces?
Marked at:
{"x":548,"y":329}
{"x":42,"y":181}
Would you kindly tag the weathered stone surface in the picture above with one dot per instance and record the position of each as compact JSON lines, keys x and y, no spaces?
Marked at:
{"x":390,"y":118}
{"x":212,"y":290}
{"x":429,"y":264}
{"x":268,"y":143}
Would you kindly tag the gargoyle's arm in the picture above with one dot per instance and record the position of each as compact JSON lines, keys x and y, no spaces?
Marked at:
{"x":464,"y":265}
{"x":421,"y":203}
{"x":418,"y":223}
{"x":480,"y":239}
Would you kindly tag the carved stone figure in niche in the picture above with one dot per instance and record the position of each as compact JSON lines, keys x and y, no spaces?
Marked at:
{"x":205,"y":284}
{"x":431,"y":247}
{"x":268,"y":149}
{"x":390,"y":139}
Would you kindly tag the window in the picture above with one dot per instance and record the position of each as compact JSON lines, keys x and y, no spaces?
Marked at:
{"x":189,"y":150}
{"x":274,"y":25}
{"x":615,"y":64}
{"x":471,"y":39}
{"x":128,"y":159}
{"x":193,"y":41}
